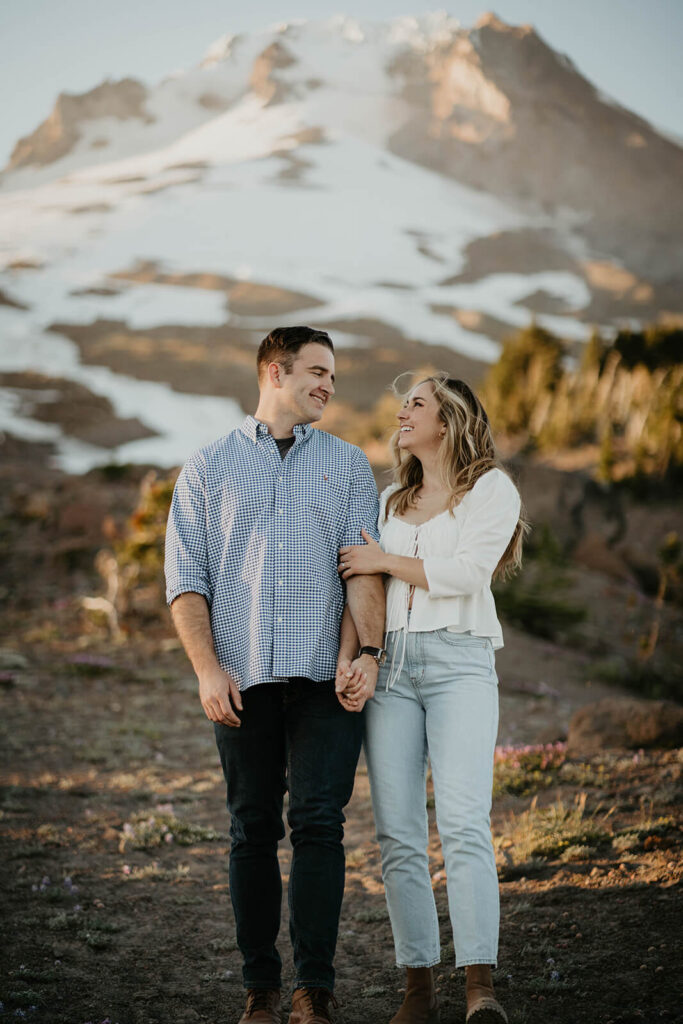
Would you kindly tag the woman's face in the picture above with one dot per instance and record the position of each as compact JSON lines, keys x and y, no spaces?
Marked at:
{"x":421,"y":428}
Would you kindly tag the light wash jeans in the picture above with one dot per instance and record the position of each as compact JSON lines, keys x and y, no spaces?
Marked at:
{"x":444,"y":705}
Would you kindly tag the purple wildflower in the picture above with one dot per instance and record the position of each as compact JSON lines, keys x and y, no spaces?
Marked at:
{"x":96,"y":660}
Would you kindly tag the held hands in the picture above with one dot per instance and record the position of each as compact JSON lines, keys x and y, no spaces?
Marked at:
{"x":361,"y":559}
{"x":355,"y":681}
{"x":220,"y":696}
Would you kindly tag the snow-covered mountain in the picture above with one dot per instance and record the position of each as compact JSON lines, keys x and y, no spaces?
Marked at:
{"x":416,"y":187}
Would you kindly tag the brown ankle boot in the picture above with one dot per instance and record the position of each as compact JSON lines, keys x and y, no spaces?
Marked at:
{"x":311,"y":1006}
{"x":263,"y":1006}
{"x":482,"y":1005}
{"x":419,"y":1003}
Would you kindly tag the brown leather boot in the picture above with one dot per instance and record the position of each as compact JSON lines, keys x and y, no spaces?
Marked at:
{"x":482,"y":1005}
{"x":419,"y":1005}
{"x":311,"y":1006}
{"x":263,"y":1007}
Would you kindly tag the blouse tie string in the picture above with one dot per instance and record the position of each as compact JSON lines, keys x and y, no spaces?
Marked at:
{"x":400,"y":636}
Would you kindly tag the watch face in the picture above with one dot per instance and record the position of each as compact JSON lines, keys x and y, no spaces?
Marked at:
{"x":381,"y":657}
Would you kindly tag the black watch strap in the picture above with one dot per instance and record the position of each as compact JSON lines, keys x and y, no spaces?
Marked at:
{"x":378,"y":653}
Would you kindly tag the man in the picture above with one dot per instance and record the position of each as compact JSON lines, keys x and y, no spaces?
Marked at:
{"x":255,"y":525}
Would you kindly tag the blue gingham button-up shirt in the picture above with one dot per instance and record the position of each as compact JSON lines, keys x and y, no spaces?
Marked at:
{"x":258,"y":537}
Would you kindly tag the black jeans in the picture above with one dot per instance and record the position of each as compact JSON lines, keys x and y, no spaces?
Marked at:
{"x":293,"y":736}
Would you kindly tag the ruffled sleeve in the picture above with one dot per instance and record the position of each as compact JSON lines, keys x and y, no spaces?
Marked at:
{"x":383,"y":498}
{"x":489,"y":521}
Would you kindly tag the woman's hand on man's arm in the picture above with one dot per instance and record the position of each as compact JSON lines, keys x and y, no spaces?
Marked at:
{"x":368,"y":558}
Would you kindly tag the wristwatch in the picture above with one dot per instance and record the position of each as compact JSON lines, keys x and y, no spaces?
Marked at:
{"x":378,"y":653}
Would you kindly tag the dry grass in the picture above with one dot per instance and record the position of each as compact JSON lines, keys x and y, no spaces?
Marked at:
{"x":550,"y":832}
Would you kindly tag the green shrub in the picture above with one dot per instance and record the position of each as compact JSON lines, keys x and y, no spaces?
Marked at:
{"x":625,"y":398}
{"x":654,"y":348}
{"x":142,"y":546}
{"x":531,"y":602}
{"x":530,"y":365}
{"x":658,"y":681}
{"x":133,"y":572}
{"x":526,"y":769}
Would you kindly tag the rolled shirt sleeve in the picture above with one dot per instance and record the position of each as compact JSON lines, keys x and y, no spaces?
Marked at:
{"x":363,"y":503}
{"x":186,"y":557}
{"x":493,"y":513}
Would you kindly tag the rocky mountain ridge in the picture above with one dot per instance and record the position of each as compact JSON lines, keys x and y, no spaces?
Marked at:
{"x":493,"y":107}
{"x":419,"y":189}
{"x":506,"y":113}
{"x":55,"y":137}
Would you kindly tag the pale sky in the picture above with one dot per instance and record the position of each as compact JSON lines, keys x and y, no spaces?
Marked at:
{"x":631,"y":49}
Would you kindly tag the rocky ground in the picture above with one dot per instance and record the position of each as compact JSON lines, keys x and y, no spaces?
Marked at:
{"x":115,"y":900}
{"x":114,"y":864}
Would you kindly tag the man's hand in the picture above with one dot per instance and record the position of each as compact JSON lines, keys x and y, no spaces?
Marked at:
{"x":218,"y":692}
{"x":220,"y":695}
{"x":355,"y":682}
{"x":347,"y":679}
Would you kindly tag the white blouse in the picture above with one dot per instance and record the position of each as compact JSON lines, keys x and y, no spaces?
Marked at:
{"x":460,"y":551}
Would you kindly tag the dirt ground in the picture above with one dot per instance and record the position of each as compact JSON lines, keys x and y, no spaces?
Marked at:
{"x":115,"y":902}
{"x":113,"y":850}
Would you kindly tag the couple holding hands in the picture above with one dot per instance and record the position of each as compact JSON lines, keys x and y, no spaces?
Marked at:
{"x":318,"y":618}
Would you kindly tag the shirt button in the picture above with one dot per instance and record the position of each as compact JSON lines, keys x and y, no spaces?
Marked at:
{"x":279,"y":618}
{"x":280,"y":511}
{"x":279,"y":583}
{"x":281,"y":545}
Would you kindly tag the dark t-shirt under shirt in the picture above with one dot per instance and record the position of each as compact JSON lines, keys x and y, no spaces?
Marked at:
{"x":284,"y":444}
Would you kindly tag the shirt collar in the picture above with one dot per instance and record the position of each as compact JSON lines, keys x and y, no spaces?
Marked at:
{"x":254,"y":430}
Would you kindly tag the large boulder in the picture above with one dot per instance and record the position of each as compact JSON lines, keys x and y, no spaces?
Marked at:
{"x":624,"y":722}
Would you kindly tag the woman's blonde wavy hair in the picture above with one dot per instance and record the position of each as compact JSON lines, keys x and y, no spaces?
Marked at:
{"x":466,"y":453}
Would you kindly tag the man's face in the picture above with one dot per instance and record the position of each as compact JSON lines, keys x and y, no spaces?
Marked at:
{"x":306,"y":390}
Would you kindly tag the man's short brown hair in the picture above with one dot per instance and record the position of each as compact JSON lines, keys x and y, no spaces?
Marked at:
{"x":283,"y":343}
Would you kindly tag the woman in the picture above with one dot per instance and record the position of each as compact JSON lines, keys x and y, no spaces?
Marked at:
{"x":449,"y":523}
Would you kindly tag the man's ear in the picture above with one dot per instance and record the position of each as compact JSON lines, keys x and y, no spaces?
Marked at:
{"x":275,"y":371}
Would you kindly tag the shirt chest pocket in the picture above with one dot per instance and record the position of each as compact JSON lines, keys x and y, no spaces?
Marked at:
{"x":326,"y":503}
{"x":237,"y":518}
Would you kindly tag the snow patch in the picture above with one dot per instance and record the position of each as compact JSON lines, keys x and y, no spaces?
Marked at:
{"x":183,"y":422}
{"x":219,"y":51}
